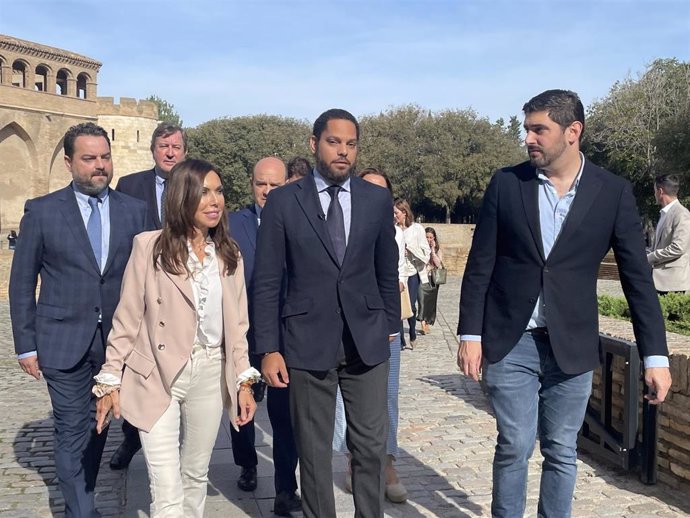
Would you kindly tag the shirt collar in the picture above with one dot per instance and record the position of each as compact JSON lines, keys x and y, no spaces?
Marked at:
{"x":322,"y":184}
{"x":545,"y":179}
{"x":665,"y":209}
{"x":258,"y":210}
{"x":84,"y":198}
{"x":160,"y":180}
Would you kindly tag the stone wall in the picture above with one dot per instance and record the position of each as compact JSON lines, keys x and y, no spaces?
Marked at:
{"x":455,"y":241}
{"x":130,"y":125}
{"x":44,"y":91}
{"x":32,"y":127}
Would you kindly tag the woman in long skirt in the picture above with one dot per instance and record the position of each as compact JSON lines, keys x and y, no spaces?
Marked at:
{"x":428,"y":292}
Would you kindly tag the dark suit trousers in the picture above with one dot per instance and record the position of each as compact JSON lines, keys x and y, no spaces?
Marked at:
{"x":312,"y":406}
{"x":284,"y":448}
{"x":243,"y":450}
{"x":78,"y":448}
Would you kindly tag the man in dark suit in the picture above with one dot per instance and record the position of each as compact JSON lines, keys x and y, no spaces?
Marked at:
{"x":528,"y":304}
{"x":268,"y":173}
{"x":331,"y":239}
{"x":168,"y":146}
{"x":78,"y":240}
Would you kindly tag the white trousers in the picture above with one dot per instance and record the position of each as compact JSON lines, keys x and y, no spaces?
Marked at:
{"x":179,"y":475}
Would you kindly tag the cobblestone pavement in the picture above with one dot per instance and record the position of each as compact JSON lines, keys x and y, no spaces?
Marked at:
{"x":446,"y":437}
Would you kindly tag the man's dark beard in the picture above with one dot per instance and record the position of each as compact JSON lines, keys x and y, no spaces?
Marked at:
{"x":329,"y":174}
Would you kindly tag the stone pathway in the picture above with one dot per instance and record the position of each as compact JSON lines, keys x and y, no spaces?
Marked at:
{"x":446,"y":436}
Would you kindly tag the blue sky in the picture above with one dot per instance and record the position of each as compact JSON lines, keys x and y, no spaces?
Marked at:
{"x":214,"y":58}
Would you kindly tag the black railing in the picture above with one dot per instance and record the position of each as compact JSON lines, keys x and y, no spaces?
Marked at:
{"x":627,"y":446}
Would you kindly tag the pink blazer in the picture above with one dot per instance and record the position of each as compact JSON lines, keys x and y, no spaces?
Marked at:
{"x":153,"y":332}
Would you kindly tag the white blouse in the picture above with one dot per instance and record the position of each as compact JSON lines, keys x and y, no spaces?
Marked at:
{"x":418,"y":251}
{"x":208,"y":296}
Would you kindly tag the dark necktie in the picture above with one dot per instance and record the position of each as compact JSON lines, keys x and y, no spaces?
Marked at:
{"x":93,"y":228}
{"x":165,"y":187}
{"x":336,"y":223}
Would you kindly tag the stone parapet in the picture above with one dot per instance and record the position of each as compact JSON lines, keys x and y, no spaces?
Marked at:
{"x":673,"y":415}
{"x":127,"y":107}
{"x":27,"y":101}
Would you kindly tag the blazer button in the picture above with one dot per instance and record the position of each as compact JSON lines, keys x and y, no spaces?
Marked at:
{"x":102,"y":281}
{"x":161,"y":347}
{"x":159,"y":300}
{"x":162,"y":324}
{"x":96,"y":309}
{"x":338,"y":311}
{"x":532,"y":300}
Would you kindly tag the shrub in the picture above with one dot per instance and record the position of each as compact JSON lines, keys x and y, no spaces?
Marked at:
{"x":675,"y":308}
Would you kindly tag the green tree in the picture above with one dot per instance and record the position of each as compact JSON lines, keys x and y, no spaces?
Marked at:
{"x":166,"y":111}
{"x":235,"y":144}
{"x":638,"y":126}
{"x":436,"y":160}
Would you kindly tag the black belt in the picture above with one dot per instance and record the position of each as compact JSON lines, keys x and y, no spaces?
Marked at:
{"x":539,"y":331}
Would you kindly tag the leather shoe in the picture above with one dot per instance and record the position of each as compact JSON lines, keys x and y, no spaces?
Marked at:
{"x":247,"y":480}
{"x":396,"y":493}
{"x":286,"y":503}
{"x":123,"y":455}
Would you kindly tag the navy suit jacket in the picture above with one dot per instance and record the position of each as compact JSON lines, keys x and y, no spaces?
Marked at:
{"x":142,"y":185}
{"x":54,"y":245}
{"x":506,"y":268}
{"x":322,"y":296}
{"x":243,"y":227}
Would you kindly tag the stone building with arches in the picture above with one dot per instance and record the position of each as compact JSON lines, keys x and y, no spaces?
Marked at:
{"x":43,"y":91}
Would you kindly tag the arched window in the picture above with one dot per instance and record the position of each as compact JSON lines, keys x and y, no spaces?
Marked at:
{"x":41,"y":82}
{"x":61,"y":81}
{"x":19,"y":74}
{"x":82,"y":79}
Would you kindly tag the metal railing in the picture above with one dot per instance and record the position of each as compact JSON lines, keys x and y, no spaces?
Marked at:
{"x":633,"y":446}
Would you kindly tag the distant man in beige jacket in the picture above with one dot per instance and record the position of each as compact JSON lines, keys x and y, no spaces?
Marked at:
{"x":670,"y":257}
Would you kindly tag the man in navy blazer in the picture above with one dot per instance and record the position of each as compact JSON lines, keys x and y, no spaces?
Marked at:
{"x":78,"y":240}
{"x":330,"y":238}
{"x":528,"y":304}
{"x":168,"y":147}
{"x":268,"y":174}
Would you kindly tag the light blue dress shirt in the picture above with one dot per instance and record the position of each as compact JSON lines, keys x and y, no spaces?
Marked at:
{"x":160,"y":184}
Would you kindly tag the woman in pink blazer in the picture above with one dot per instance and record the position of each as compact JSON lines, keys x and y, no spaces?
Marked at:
{"x":177,"y":353}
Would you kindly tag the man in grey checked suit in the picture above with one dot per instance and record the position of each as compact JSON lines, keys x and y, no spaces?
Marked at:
{"x":78,"y":241}
{"x":670,"y":257}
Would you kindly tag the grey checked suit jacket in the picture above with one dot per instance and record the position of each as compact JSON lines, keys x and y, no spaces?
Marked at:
{"x":54,"y":245}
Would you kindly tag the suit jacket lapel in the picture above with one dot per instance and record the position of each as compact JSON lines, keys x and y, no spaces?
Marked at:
{"x":251,"y":226}
{"x":70,"y":210}
{"x":308,"y":199}
{"x":529,"y":189}
{"x":587,"y":190}
{"x":182,"y":283}
{"x":118,"y":232}
{"x":358,"y":215}
{"x":152,"y":199}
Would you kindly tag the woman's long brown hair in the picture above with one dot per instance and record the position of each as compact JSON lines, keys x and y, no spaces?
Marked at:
{"x":182,"y":197}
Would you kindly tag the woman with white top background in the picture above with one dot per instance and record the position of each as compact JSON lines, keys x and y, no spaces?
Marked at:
{"x":417,"y":254}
